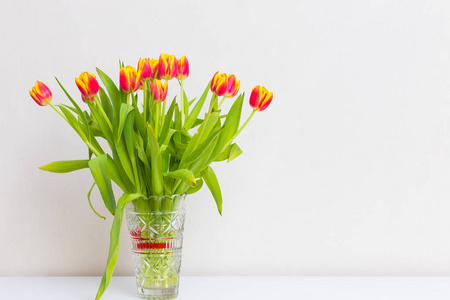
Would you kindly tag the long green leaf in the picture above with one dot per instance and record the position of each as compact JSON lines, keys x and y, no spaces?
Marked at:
{"x":230,"y":127}
{"x":102,"y":177}
{"x":80,"y":112}
{"x":114,"y":242}
{"x":211,"y":181}
{"x":156,"y":162}
{"x":125,"y":109}
{"x":65,"y":166}
{"x":106,"y":103}
{"x":112,"y":90}
{"x":197,"y":108}
{"x":197,"y":154}
{"x":74,"y":123}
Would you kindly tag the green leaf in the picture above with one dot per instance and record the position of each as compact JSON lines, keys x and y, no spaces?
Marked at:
{"x":195,"y":189}
{"x":90,"y":204}
{"x":230,"y":127}
{"x":111,"y":88}
{"x":125,"y":109}
{"x":74,"y":123}
{"x":156,"y":162}
{"x":211,"y":181}
{"x":114,"y":242}
{"x":80,"y":113}
{"x":183,"y":174}
{"x":65,"y":166}
{"x":102,"y":177}
{"x":197,"y":108}
{"x":167,"y":121}
{"x":230,"y":153}
{"x":106,"y":103}
{"x":197,"y":154}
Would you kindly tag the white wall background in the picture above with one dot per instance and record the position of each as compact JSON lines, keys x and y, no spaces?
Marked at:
{"x":346,"y":173}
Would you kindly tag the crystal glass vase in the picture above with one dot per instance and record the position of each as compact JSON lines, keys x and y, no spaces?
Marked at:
{"x":156,"y":229}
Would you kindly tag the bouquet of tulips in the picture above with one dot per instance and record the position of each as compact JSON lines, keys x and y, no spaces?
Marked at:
{"x":155,"y":149}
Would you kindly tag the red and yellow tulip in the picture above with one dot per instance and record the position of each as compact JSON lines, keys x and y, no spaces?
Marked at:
{"x":223,"y":85}
{"x":183,"y":68}
{"x":260,"y":98}
{"x":232,"y":86}
{"x":219,"y":84}
{"x":158,"y":90}
{"x":41,"y":94}
{"x":148,"y":68}
{"x":168,"y":67}
{"x":130,"y":79}
{"x":88,"y":85}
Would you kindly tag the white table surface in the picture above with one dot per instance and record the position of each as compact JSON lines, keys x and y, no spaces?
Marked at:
{"x":235,"y":288}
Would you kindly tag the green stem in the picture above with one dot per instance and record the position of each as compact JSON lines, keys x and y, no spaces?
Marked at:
{"x":182,"y":103}
{"x":220,"y":104}
{"x":59,"y":112}
{"x":158,"y":111}
{"x":163,"y":113}
{"x":145,"y":100}
{"x":240,"y":129}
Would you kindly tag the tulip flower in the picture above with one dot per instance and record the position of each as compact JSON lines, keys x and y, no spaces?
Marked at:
{"x":158,"y":90}
{"x":260,"y":98}
{"x":232,"y":87}
{"x":168,"y":67}
{"x":183,"y":68}
{"x":41,"y":94}
{"x":130,"y":79}
{"x":87,"y":84}
{"x":219,"y":84}
{"x":148,"y":68}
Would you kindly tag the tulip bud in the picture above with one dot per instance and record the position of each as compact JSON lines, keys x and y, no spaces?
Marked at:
{"x":219,"y":84}
{"x":41,"y":94}
{"x":130,"y":79}
{"x":87,"y":84}
{"x":183,"y":68}
{"x":158,"y":90}
{"x":148,"y":68}
{"x":232,"y":86}
{"x":168,"y":67}
{"x":260,"y":98}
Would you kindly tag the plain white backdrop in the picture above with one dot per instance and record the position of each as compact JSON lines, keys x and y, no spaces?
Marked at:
{"x":346,"y":173}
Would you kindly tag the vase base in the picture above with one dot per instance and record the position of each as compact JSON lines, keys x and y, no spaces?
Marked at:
{"x":158,"y":293}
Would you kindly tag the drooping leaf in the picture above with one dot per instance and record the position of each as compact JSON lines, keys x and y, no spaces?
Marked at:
{"x":195,"y":189}
{"x":65,"y":166}
{"x":114,"y":242}
{"x":211,"y":181}
{"x":102,"y":177}
{"x":90,"y":204}
{"x":183,"y":174}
